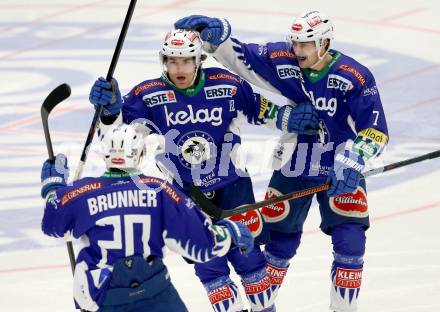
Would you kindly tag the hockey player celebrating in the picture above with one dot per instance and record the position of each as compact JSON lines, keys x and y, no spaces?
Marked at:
{"x":196,"y":109}
{"x":352,"y":130}
{"x":123,"y":220}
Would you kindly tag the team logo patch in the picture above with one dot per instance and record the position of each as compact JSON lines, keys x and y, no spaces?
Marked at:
{"x":177,"y":42}
{"x":211,"y":115}
{"x":195,"y":148}
{"x":276,"y":274}
{"x":192,"y":36}
{"x":297,"y":27}
{"x":221,"y":76}
{"x":71,"y":195}
{"x":289,"y":71}
{"x":252,"y":219}
{"x":257,"y":288}
{"x":354,"y":72}
{"x":370,"y":91}
{"x":220,"y":294}
{"x":277,"y":54}
{"x":53,"y":199}
{"x":339,"y":82}
{"x":159,"y":97}
{"x":313,"y":21}
{"x":220,"y":91}
{"x":375,"y":136}
{"x":209,"y":194}
{"x":165,"y":187}
{"x":323,"y":104}
{"x":148,"y":86}
{"x":276,"y":212}
{"x":351,"y":205}
{"x":348,"y":278}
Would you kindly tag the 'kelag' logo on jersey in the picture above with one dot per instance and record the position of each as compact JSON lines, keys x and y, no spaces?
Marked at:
{"x":220,"y":91}
{"x":339,"y":82}
{"x":159,"y":97}
{"x":323,"y":104}
{"x":182,"y":117}
{"x":289,"y":71}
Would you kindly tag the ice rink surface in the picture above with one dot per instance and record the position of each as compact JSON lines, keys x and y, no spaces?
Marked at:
{"x":46,"y":42}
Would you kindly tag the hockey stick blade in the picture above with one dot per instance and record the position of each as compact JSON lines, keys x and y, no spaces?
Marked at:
{"x":54,"y":98}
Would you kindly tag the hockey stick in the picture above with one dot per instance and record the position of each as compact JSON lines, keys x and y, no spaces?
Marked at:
{"x":54,"y":98}
{"x":217,"y":213}
{"x":61,"y":93}
{"x":95,"y":121}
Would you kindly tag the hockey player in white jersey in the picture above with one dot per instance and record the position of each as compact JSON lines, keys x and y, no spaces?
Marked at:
{"x":124,"y":220}
{"x":352,"y":129}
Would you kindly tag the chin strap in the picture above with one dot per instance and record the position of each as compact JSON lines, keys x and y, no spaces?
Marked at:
{"x":320,"y":58}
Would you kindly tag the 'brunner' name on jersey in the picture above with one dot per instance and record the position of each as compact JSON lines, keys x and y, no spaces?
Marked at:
{"x":122,"y":199}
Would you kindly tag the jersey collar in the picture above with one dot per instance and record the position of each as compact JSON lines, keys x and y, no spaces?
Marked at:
{"x":315,"y":75}
{"x":191,"y":91}
{"x":120,"y":174}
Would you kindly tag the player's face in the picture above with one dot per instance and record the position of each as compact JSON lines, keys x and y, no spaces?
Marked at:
{"x":181,"y":71}
{"x":306,"y":53}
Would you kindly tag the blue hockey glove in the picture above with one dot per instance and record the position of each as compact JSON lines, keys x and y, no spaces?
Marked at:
{"x":241,"y":236}
{"x":211,"y":29}
{"x":302,"y":118}
{"x":346,"y":173}
{"x":54,"y":174}
{"x":106,"y":94}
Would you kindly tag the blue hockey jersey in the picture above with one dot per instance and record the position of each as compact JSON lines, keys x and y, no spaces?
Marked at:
{"x":200,"y":124}
{"x":344,"y":93}
{"x":116,"y":216}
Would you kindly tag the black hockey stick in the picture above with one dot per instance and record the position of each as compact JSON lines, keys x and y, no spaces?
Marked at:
{"x":217,"y":213}
{"x":54,"y":98}
{"x":95,"y":121}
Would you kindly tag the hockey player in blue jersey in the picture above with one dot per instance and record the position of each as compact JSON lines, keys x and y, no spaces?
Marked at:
{"x":352,"y":129}
{"x":123,"y":220}
{"x":196,"y":110}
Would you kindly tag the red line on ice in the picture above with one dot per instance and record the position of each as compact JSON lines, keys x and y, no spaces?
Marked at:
{"x":311,"y":232}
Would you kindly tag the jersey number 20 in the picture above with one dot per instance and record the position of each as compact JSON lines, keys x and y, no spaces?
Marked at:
{"x":116,"y":243}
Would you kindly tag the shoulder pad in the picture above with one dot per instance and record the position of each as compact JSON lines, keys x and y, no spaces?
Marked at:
{"x":353,"y":70}
{"x":161,"y":185}
{"x":149,"y":85}
{"x":278,"y":50}
{"x":221,"y":75}
{"x":80,"y":188}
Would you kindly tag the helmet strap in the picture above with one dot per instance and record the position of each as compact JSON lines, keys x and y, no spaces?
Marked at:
{"x":318,"y":44}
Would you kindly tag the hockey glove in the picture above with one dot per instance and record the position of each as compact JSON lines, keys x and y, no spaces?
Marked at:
{"x":346,"y":173}
{"x":106,"y":94}
{"x":54,"y":174}
{"x":213,"y":30}
{"x":302,"y":118}
{"x":240,"y":234}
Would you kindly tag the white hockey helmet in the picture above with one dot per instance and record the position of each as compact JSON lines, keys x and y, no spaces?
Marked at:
{"x":183,"y":43}
{"x":123,"y":146}
{"x":311,"y":26}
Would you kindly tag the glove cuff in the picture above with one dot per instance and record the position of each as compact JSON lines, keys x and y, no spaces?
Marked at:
{"x":51,"y":184}
{"x":347,"y":161}
{"x":226,"y":30}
